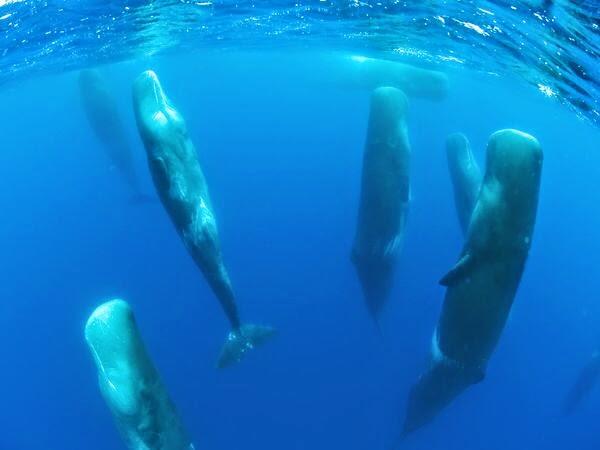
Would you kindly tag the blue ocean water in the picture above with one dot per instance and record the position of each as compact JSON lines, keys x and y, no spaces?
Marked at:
{"x":283,"y":160}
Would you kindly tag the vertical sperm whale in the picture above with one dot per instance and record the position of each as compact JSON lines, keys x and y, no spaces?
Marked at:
{"x":183,"y":191}
{"x":482,"y":285}
{"x":384,"y":196}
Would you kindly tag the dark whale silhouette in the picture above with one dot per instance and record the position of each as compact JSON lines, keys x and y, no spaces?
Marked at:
{"x":103,"y":116}
{"x":585,"y":382}
{"x":384,"y":197}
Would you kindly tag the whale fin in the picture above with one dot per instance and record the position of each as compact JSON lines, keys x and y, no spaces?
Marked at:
{"x":239,"y":342}
{"x":459,"y":271}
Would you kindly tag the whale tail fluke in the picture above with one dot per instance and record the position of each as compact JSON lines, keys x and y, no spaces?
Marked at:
{"x":241,"y":341}
{"x":459,"y":272}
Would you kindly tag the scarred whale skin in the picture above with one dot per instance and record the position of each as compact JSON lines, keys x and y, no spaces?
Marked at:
{"x":129,"y":382}
{"x":481,"y":287}
{"x":384,"y":196}
{"x":183,"y":191}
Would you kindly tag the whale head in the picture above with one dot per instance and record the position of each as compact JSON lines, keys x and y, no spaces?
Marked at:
{"x":389,"y":107}
{"x":114,"y":342}
{"x":458,"y":151}
{"x":129,"y":382}
{"x":515,"y":159}
{"x":154,"y":114}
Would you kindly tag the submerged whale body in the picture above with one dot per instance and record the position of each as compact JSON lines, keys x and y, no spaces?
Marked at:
{"x":465,"y":176}
{"x":356,"y":72}
{"x":482,"y":285}
{"x":103,"y":116}
{"x":183,"y":191}
{"x":585,"y":383}
{"x":129,"y":382}
{"x":371,"y":73}
{"x":384,"y":196}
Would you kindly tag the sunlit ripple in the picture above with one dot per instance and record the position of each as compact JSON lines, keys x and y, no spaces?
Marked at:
{"x":557,"y":48}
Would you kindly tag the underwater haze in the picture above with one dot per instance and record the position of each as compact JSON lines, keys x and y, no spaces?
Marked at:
{"x":280,"y":139}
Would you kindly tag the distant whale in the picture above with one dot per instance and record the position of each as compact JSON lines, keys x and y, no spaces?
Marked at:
{"x":586,"y":380}
{"x":129,"y":382}
{"x":370,"y":73}
{"x":184,"y":193}
{"x":103,"y":116}
{"x":384,"y":196}
{"x":465,"y":176}
{"x":482,"y":285}
{"x":356,"y":72}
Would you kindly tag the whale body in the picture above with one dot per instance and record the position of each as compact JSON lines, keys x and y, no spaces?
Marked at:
{"x":183,"y":191}
{"x":482,"y":285}
{"x":101,"y":110}
{"x":384,"y":197}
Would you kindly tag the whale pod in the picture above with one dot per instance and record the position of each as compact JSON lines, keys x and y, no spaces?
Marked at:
{"x":129,"y":382}
{"x":482,"y":285}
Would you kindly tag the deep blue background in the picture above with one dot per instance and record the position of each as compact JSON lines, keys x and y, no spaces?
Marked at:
{"x":283,"y":163}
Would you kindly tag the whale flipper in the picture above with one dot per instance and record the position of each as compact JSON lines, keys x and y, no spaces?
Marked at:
{"x":239,"y":342}
{"x":459,"y":271}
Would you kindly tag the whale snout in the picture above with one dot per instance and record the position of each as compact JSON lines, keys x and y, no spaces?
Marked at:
{"x":515,"y":159}
{"x":389,"y":103}
{"x":149,"y":99}
{"x":457,"y":147}
{"x":114,"y":342}
{"x":110,"y":333}
{"x":147,"y":83}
